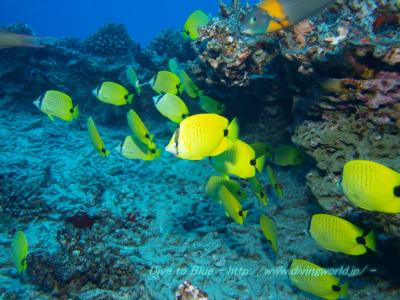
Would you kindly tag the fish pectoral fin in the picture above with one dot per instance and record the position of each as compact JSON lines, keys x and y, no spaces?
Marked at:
{"x":50,"y":117}
{"x":226,"y":214}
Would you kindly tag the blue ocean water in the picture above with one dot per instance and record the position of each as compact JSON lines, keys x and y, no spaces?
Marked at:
{"x":102,"y":196}
{"x":81,"y":18}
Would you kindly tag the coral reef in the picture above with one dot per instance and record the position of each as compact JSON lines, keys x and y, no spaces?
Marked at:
{"x":113,"y":229}
{"x":167,"y":44}
{"x":337,"y":84}
{"x":351,"y":110}
{"x":226,"y":56}
{"x":70,"y":66}
{"x":20,"y":28}
{"x":110,"y":40}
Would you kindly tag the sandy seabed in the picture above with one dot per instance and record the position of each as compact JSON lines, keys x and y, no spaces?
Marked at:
{"x":154,"y":220}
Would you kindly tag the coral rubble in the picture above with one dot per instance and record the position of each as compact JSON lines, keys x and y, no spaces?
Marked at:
{"x":85,"y":259}
{"x":186,"y":291}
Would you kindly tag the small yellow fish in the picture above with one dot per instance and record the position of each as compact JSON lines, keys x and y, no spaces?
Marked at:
{"x":132,"y":148}
{"x":287,"y":155}
{"x":262,"y":149}
{"x":258,"y":188}
{"x":338,"y":235}
{"x":11,"y":40}
{"x":188,"y":85}
{"x":371,"y":186}
{"x":315,"y":280}
{"x":268,"y":228}
{"x":210,"y":105}
{"x":215,"y":182}
{"x":133,"y":79}
{"x":233,"y":208}
{"x":239,"y":159}
{"x":96,"y":138}
{"x":171,"y":107}
{"x":278,"y":188}
{"x":174,"y":66}
{"x":113,"y":93}
{"x":57,"y":104}
{"x":138,"y":129}
{"x":197,"y":19}
{"x":166,"y":82}
{"x":272,"y":15}
{"x":19,"y":249}
{"x":202,"y":135}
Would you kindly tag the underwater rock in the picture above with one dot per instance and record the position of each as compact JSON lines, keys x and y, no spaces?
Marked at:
{"x":187,"y":291}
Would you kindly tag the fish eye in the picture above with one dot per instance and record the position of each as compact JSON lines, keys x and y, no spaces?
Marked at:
{"x":153,"y":151}
{"x":396,"y":191}
{"x":336,"y":288}
{"x":103,"y":150}
{"x":360,"y":240}
{"x":253,"y":20}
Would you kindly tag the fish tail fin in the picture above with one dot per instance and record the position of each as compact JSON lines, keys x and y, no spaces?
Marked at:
{"x":105,"y":153}
{"x":344,"y":290}
{"x":158,"y":153}
{"x":32,"y":41}
{"x":233,"y":129}
{"x":244,"y":214}
{"x":260,"y":162}
{"x":370,"y":241}
{"x":129,"y":99}
{"x":181,"y":88}
{"x":138,"y":88}
{"x":75,"y":113}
